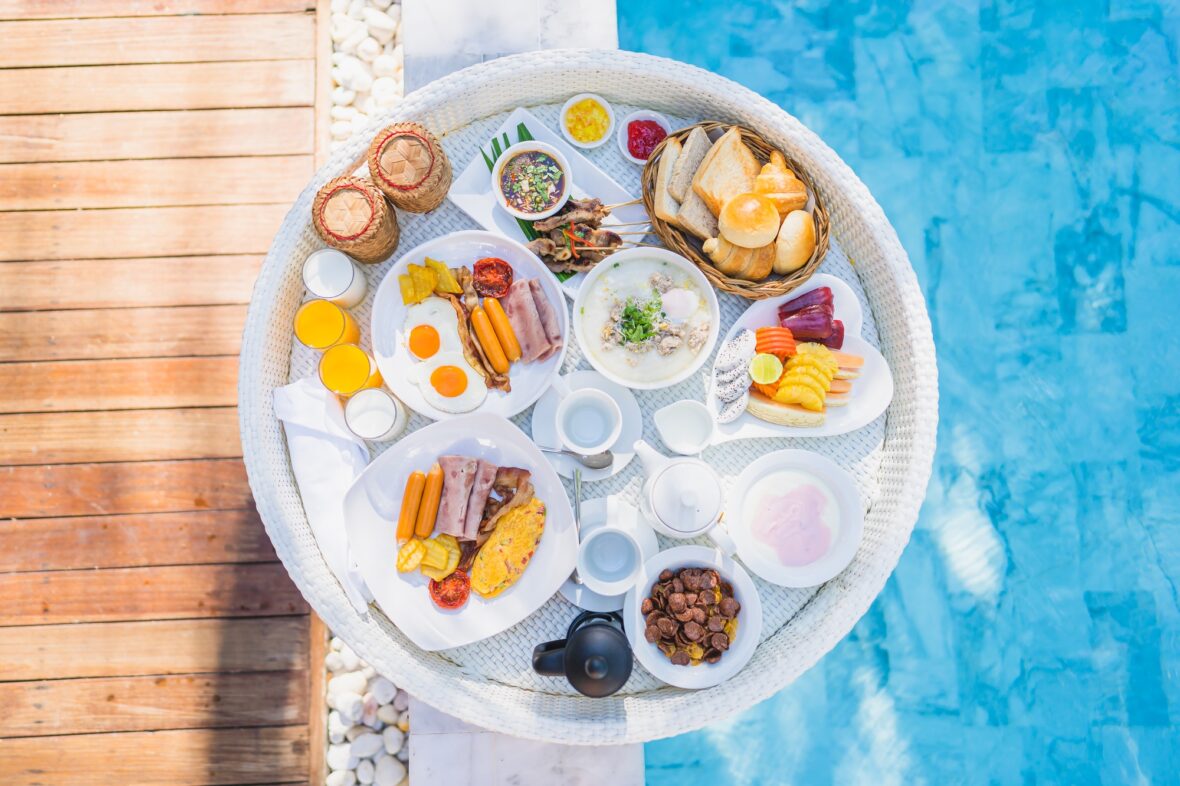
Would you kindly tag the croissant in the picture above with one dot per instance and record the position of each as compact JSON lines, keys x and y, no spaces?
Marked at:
{"x":780,"y":185}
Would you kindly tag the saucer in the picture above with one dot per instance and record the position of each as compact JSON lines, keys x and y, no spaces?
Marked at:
{"x":593,"y":517}
{"x":544,"y":425}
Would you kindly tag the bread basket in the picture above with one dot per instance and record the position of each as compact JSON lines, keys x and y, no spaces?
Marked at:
{"x":690,"y":247}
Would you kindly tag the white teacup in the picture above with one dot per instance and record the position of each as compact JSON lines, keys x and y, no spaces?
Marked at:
{"x":588,"y":420}
{"x":609,"y":560}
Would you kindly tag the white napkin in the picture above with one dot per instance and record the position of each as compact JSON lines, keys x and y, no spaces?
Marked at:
{"x":326,"y":458}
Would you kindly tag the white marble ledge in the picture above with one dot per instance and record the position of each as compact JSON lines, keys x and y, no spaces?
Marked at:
{"x":442,"y":36}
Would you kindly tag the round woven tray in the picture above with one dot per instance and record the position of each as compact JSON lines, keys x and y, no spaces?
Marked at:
{"x":491,"y":683}
{"x":690,"y":247}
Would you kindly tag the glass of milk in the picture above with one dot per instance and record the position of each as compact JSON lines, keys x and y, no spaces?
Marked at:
{"x":332,"y":275}
{"x":375,"y":415}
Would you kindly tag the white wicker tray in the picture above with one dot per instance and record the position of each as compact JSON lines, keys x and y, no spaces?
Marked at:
{"x":491,"y":683}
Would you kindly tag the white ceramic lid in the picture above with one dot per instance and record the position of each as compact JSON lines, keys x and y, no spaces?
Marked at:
{"x":686,"y":495}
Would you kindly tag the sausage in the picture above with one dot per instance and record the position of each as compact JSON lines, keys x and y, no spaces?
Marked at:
{"x":503,"y":329}
{"x":431,"y":495}
{"x":411,"y":498}
{"x":487,"y":339}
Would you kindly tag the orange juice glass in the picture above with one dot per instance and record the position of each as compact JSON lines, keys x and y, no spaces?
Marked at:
{"x":346,"y":368}
{"x":320,"y":324}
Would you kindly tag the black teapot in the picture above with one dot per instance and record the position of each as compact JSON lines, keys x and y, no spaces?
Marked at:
{"x":594,"y":656}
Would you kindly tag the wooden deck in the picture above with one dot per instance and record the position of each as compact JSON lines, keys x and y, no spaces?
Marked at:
{"x":148,"y":150}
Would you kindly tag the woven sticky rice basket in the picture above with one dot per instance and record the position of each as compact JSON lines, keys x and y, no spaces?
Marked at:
{"x":548,"y":711}
{"x":690,"y":247}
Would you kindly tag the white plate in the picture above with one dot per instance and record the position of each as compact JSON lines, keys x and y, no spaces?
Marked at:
{"x":593,"y":517}
{"x":680,"y":263}
{"x":749,"y":628}
{"x":871,"y":391}
{"x":545,"y":425}
{"x":757,"y":557}
{"x":462,"y":249}
{"x":370,"y":514}
{"x":472,"y":189}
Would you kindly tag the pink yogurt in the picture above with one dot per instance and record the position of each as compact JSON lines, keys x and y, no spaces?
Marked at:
{"x":792,"y":524}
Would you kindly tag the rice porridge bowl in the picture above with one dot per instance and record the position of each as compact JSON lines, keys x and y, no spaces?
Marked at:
{"x":645,"y":320}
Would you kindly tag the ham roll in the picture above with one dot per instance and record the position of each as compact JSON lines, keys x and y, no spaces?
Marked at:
{"x":458,"y":478}
{"x":548,"y":318}
{"x":485,"y":475}
{"x":526,"y":322}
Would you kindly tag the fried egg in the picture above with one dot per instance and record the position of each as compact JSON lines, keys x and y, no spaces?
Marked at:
{"x":448,"y":383}
{"x":431,"y":327}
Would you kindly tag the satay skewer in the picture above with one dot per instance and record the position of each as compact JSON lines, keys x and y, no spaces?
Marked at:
{"x":635,"y":201}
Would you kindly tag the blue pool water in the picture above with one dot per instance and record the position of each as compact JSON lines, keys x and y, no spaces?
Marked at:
{"x":1028,"y":154}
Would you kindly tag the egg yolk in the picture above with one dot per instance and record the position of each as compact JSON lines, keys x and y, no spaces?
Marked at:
{"x":449,"y":381}
{"x":424,"y":341}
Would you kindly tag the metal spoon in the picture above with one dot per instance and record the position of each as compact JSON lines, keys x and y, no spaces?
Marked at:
{"x":593,"y":461}
{"x":577,"y":516}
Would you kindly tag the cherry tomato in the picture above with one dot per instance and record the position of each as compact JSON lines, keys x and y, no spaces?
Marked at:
{"x":492,"y":277}
{"x":451,"y":592}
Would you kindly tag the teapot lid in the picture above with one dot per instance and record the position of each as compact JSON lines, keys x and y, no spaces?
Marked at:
{"x":686,"y":495}
{"x":598,"y":659}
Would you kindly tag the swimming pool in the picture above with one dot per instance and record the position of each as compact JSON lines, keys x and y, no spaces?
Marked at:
{"x":1028,"y":154}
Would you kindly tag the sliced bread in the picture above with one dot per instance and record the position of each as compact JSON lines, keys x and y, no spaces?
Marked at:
{"x":728,"y":169}
{"x":694,"y":217}
{"x":693,"y":152}
{"x":666,"y":207}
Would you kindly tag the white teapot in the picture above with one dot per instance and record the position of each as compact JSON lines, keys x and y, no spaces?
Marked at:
{"x":681,"y":497}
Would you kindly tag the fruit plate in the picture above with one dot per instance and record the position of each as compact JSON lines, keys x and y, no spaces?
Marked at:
{"x":472,"y":189}
{"x":462,"y":249}
{"x":371,"y":509}
{"x":871,"y":391}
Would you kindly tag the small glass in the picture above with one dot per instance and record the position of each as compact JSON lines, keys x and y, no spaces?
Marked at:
{"x":375,"y":415}
{"x":320,"y":324}
{"x":346,"y":368}
{"x":333,"y":275}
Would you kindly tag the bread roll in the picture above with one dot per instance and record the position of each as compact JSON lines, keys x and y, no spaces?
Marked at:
{"x":666,"y":207}
{"x":780,"y":185}
{"x":795,"y":243}
{"x":758,"y":264}
{"x":750,"y":264}
{"x":749,"y":220}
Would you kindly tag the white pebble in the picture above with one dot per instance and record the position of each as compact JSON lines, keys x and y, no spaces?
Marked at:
{"x":367,"y":744}
{"x":351,"y":706}
{"x":403,"y":721}
{"x":385,"y":88}
{"x":337,"y":728}
{"x":387,"y":713}
{"x":355,"y":731}
{"x":340,"y":778}
{"x":360,"y":80}
{"x":339,"y":6}
{"x":378,"y":20}
{"x":395,"y":13}
{"x":382,"y":35}
{"x":389,"y":772}
{"x":368,"y":49}
{"x":399,"y":56}
{"x":352,"y":682}
{"x":338,"y":756}
{"x":332,"y":660}
{"x":369,"y":672}
{"x":353,"y":40}
{"x":385,"y":65}
{"x":336,"y":643}
{"x":365,"y":772}
{"x":381,"y":4}
{"x":368,"y":106}
{"x":394,"y":738}
{"x":340,"y":113}
{"x":402,"y":701}
{"x":356,"y":9}
{"x":342,"y":96}
{"x":404,"y":754}
{"x":383,"y":690}
{"x":369,"y":714}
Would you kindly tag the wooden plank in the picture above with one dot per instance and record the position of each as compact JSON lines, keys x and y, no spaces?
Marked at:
{"x":117,"y":283}
{"x":38,"y":91}
{"x":77,"y":9}
{"x":158,"y":647}
{"x":127,"y":435}
{"x":161,"y":39}
{"x":150,"y":383}
{"x":123,"y":135}
{"x":192,"y":757}
{"x":125,"y":487}
{"x":317,"y":721}
{"x":139,"y":232}
{"x":121,"y":333}
{"x":134,"y":540}
{"x":260,"y":589}
{"x":153,"y":183}
{"x":184,"y":701}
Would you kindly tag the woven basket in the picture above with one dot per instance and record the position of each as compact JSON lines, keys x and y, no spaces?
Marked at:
{"x":371,"y":241}
{"x":479,"y":684}
{"x":690,"y":247}
{"x":419,"y":188}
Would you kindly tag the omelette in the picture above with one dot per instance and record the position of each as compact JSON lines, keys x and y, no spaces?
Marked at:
{"x":503,"y":559}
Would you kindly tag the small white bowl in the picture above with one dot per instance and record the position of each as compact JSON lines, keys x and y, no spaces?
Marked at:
{"x":610,"y":129}
{"x":749,"y":629}
{"x":663,"y":255}
{"x":527,"y":147}
{"x":642,"y":114}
